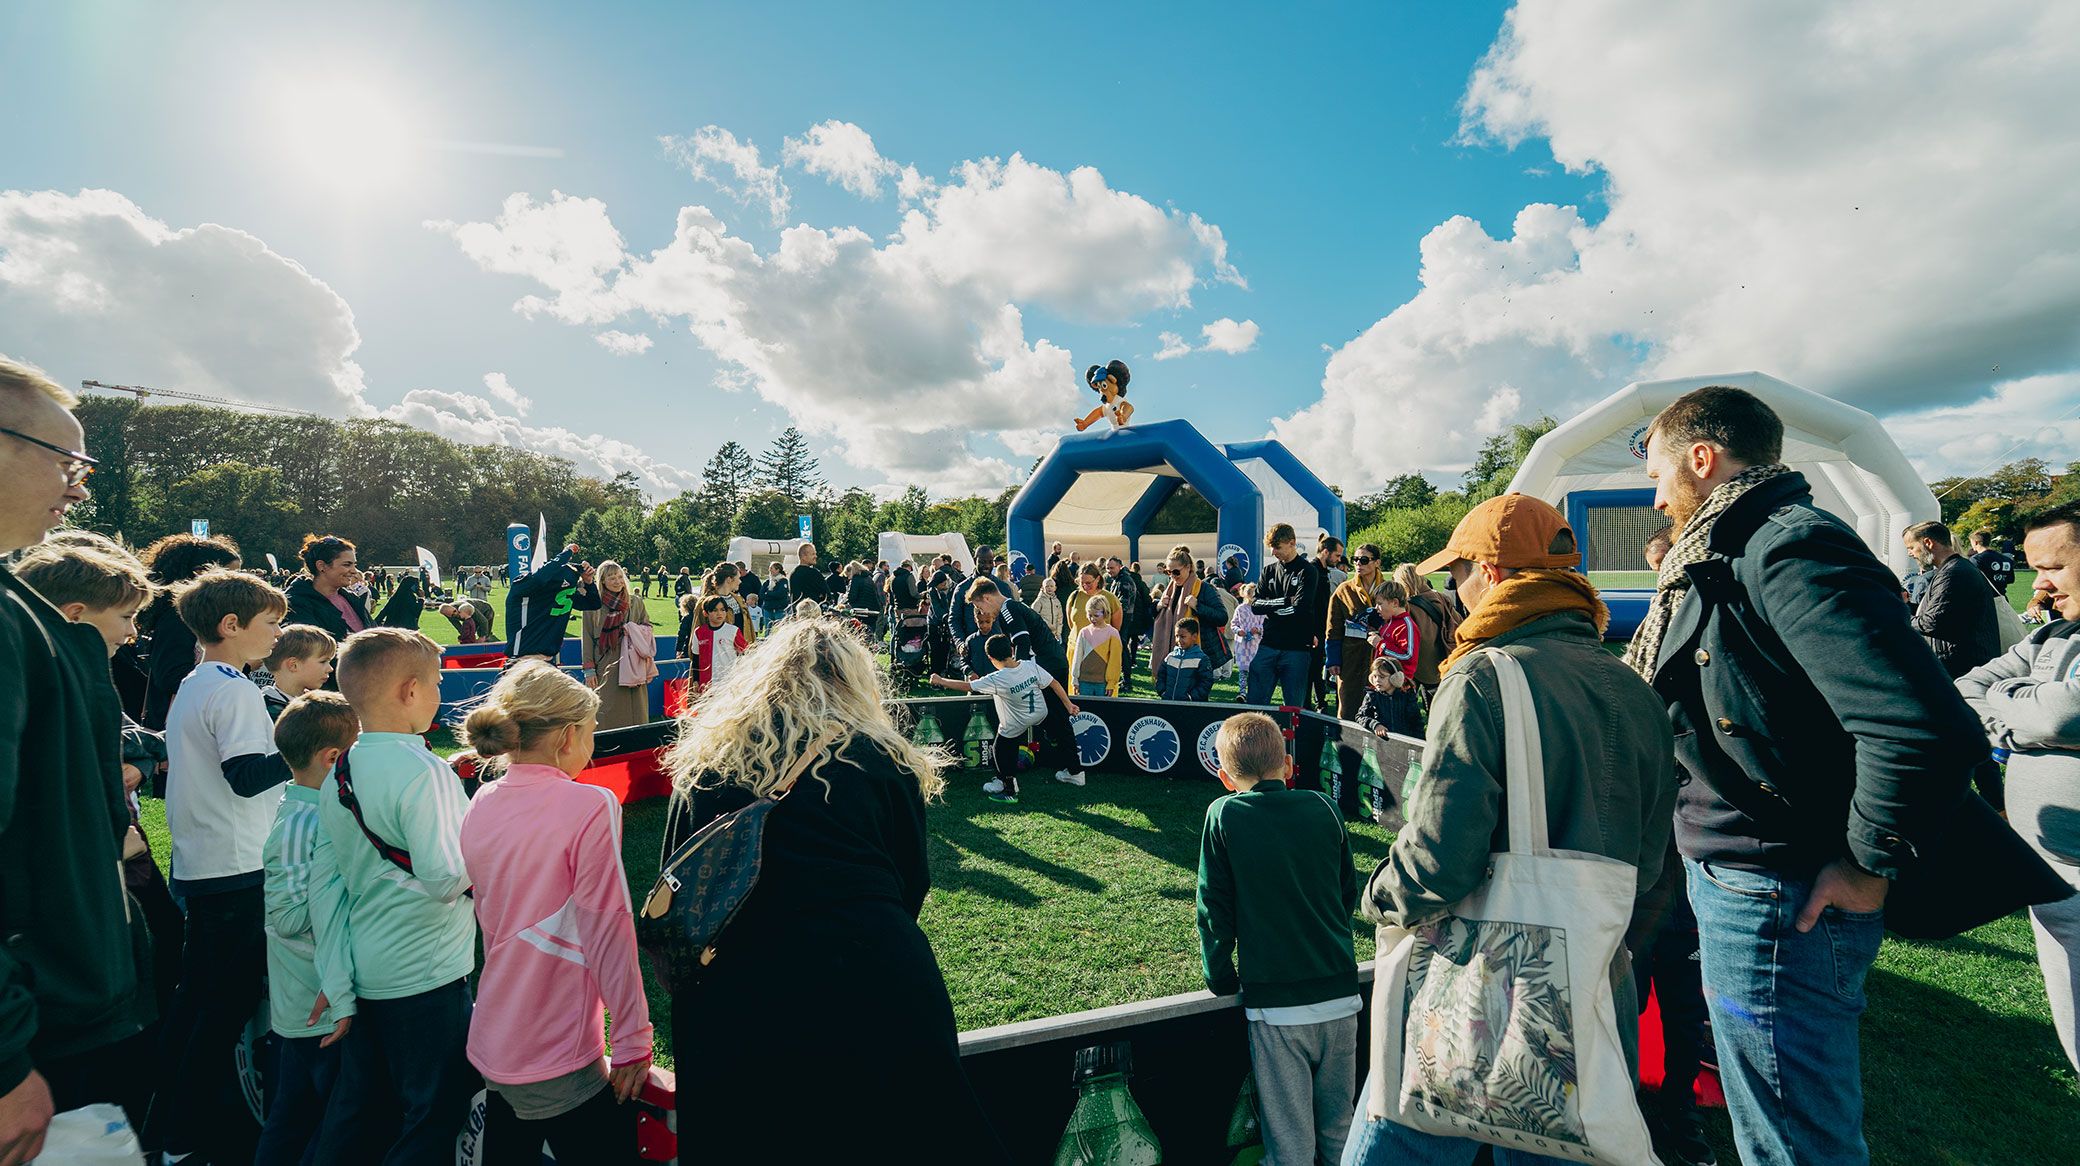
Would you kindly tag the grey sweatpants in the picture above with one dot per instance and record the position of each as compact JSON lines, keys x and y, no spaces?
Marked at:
{"x":1307,"y":1076}
{"x":2044,"y":807}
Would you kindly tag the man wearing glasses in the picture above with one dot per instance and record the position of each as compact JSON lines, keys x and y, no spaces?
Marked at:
{"x":68,"y":980}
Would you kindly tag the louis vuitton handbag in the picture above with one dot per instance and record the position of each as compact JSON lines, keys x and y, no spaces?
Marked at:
{"x":704,"y":883}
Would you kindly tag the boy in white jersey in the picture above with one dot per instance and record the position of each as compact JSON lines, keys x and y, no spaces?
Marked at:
{"x":223,"y":782}
{"x":1017,"y":688}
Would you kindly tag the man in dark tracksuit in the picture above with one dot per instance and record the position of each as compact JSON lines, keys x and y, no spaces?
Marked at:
{"x":1293,"y":601}
{"x":1821,"y":748}
{"x":1956,"y":612}
{"x":994,"y":614}
{"x":806,"y":582}
{"x":72,"y":1002}
{"x":539,"y":607}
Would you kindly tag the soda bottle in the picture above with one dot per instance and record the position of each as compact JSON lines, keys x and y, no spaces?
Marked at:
{"x":975,"y":740}
{"x":1245,"y":1131}
{"x":1371,"y":781}
{"x":1415,"y":774}
{"x":1106,"y":1128}
{"x":927,"y":731}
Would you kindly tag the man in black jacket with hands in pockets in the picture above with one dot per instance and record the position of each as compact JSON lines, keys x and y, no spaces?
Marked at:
{"x":1821,"y":752}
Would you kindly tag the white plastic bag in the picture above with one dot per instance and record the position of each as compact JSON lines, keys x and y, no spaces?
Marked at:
{"x":95,"y":1135}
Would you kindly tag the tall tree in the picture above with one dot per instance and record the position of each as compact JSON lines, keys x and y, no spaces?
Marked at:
{"x":791,"y":469}
{"x":1499,"y":457}
{"x":727,"y":478}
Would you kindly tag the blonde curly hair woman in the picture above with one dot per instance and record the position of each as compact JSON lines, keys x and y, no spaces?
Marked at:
{"x":824,"y":965}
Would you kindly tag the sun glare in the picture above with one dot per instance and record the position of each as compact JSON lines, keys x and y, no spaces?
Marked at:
{"x":346,"y":134}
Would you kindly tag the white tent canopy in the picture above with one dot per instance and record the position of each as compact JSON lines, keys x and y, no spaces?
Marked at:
{"x":895,"y":547}
{"x":1594,"y":467}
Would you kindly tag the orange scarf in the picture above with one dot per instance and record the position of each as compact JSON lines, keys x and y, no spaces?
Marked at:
{"x":1525,"y":596}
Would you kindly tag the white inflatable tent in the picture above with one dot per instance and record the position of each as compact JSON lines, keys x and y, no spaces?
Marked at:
{"x":895,"y":547}
{"x":1594,"y":468}
{"x":761,"y":553}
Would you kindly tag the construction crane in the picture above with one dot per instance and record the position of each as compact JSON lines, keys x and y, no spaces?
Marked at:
{"x":141,"y":392}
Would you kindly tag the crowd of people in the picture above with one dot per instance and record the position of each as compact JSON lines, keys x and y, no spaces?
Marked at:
{"x":1778,"y":759}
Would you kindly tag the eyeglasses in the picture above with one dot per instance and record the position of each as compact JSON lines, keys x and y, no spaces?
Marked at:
{"x":78,"y":467}
{"x":1362,"y":559}
{"x":1173,"y":570}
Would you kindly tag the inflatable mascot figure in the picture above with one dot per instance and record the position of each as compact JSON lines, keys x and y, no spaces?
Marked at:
{"x":1110,"y":381}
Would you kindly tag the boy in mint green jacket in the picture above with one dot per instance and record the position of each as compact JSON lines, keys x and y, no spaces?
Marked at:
{"x":1275,"y":875}
{"x":312,"y":732}
{"x":396,"y":938}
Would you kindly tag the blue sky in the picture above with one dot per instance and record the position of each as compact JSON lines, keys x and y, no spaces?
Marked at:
{"x":1325,"y":143}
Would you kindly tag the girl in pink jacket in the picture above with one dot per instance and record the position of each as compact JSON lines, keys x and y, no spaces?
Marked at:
{"x":559,"y":933}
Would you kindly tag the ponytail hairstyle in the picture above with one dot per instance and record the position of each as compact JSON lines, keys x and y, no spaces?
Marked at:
{"x":531,"y":702}
{"x":322,"y":549}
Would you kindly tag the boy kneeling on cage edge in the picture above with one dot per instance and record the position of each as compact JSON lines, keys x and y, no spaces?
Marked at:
{"x":1275,"y":875}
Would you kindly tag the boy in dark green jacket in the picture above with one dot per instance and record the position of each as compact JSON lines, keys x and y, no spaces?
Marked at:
{"x":1275,"y":874}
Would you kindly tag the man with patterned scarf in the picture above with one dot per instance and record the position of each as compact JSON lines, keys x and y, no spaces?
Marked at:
{"x":1610,"y":781}
{"x":1821,"y":748}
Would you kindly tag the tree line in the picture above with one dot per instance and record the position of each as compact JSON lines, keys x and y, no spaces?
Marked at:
{"x":267,"y":479}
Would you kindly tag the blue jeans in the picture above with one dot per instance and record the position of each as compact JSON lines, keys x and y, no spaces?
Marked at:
{"x":1286,"y":668}
{"x":1785,"y":1008}
{"x":1092,"y":688}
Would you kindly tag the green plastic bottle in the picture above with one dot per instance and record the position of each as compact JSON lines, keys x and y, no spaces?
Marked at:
{"x":1245,"y":1130}
{"x":976,"y":741}
{"x":1371,"y":783}
{"x":927,"y":731}
{"x":1107,"y":1128}
{"x":1332,"y":769}
{"x":1415,"y":774}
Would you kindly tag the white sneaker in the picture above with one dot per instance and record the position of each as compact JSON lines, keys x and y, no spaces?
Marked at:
{"x":1067,"y":778}
{"x":994,"y":785}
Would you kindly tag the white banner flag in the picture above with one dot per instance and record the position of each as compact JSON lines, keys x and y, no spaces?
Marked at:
{"x":272,"y":563}
{"x":541,"y":543}
{"x":431,"y":566}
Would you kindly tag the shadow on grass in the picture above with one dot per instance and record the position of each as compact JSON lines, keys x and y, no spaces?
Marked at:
{"x":1949,"y":1081}
{"x":1177,"y":845}
{"x":954,"y":835}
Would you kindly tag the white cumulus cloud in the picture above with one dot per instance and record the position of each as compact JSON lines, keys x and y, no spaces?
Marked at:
{"x":909,"y":351}
{"x":565,"y":244}
{"x":469,"y":418}
{"x":1225,"y":335}
{"x":93,"y":288}
{"x":1875,"y":203}
{"x":841,"y":152}
{"x":1173,"y":346}
{"x":624,"y":343}
{"x":709,"y":150}
{"x":502,"y":390}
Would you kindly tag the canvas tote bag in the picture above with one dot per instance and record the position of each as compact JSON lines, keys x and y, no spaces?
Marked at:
{"x":1495,"y":1022}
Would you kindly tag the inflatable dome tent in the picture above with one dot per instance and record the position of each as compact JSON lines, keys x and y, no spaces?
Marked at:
{"x":1096,"y":494}
{"x":1594,"y":469}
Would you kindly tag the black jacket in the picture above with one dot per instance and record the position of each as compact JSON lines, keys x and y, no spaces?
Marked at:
{"x":862,"y":593}
{"x":405,"y":606}
{"x":307,"y":606}
{"x":1957,"y":616}
{"x":807,"y":583}
{"x":1811,"y":721}
{"x":1293,"y":598}
{"x":1030,"y":637}
{"x":539,"y":607}
{"x":68,"y":965}
{"x":170,"y":657}
{"x":902,"y":590}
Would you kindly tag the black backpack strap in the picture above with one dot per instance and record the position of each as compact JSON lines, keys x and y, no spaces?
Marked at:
{"x":396,"y":855}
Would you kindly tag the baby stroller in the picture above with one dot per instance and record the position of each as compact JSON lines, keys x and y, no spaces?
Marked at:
{"x":909,"y":646}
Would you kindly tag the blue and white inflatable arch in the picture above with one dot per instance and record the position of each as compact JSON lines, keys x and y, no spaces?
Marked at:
{"x":1098,"y":492}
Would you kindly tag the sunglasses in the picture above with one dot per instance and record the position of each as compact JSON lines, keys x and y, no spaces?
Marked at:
{"x":78,"y":467}
{"x":1363,"y":559}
